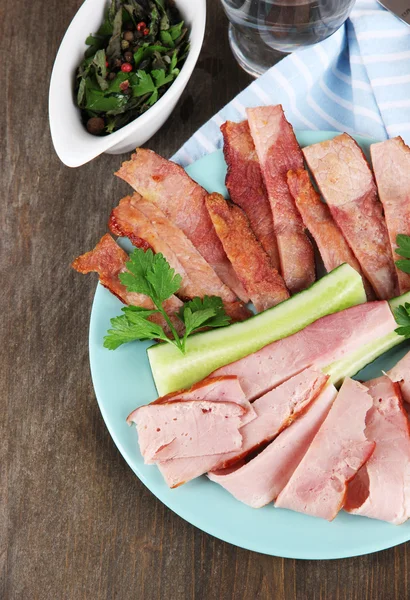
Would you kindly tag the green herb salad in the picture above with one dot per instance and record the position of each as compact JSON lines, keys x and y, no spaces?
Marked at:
{"x":130,"y":62}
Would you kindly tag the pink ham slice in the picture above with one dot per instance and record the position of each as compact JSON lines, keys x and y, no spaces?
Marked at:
{"x":108,"y":260}
{"x":318,"y":487}
{"x":245,"y":184}
{"x":381,"y":489}
{"x":346,"y":183}
{"x":167,"y":185}
{"x":275,"y":411}
{"x":333,"y":248}
{"x":401,"y":374}
{"x":326,"y":340}
{"x":261,"y":480}
{"x":215,"y":389}
{"x":145,"y":224}
{"x":278,"y":152}
{"x":188,"y":428}
{"x":391,"y":164}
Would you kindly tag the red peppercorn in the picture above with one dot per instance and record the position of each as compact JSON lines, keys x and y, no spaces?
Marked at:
{"x":106,"y":63}
{"x":141,"y":26}
{"x":126,"y":67}
{"x":146,"y":31}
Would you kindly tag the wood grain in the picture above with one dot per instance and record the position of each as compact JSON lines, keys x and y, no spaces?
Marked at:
{"x":75,"y":523}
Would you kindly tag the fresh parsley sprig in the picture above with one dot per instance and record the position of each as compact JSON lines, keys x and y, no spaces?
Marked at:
{"x":403,"y":249}
{"x":150,"y":274}
{"x":402,"y":316}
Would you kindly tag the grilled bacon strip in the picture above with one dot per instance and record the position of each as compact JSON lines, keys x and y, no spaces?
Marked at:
{"x":278,"y":152}
{"x":391,"y":164}
{"x":245,"y":184}
{"x":346,"y":183}
{"x":182,"y":200}
{"x":260,"y":279}
{"x":143,"y":221}
{"x":108,"y":260}
{"x":317,"y":218}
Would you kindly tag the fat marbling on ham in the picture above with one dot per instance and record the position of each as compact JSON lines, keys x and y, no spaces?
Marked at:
{"x":167,"y":185}
{"x":318,"y":486}
{"x":400,"y":374}
{"x":333,"y":248}
{"x":278,"y":152}
{"x":318,"y":345}
{"x":108,"y":260}
{"x":347,"y":184}
{"x":261,"y":480}
{"x":245,"y":184}
{"x":252,"y":265}
{"x":391,"y":165}
{"x":275,"y":411}
{"x":146,"y":225}
{"x":381,"y":489}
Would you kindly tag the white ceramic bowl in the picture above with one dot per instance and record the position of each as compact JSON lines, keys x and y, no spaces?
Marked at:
{"x":72,"y":142}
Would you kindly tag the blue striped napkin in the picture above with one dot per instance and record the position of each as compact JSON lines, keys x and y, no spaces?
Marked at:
{"x":357,"y":81}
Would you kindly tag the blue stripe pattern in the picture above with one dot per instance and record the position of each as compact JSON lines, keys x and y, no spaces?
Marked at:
{"x":357,"y":81}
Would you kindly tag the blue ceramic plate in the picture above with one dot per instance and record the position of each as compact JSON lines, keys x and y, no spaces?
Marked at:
{"x":122,"y":381}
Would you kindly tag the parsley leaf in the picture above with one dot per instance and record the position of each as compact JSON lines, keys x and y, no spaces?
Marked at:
{"x":403,"y":249}
{"x":144,"y":85}
{"x":160,"y":77}
{"x":402,"y":316}
{"x":150,"y":274}
{"x":126,"y":330}
{"x":176,"y":30}
{"x":166,"y":38}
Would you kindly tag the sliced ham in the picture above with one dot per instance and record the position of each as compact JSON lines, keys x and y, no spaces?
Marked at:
{"x":275,"y":411}
{"x":346,"y":183}
{"x":167,"y":185}
{"x":191,"y":428}
{"x":318,"y":486}
{"x":381,"y":489}
{"x":278,"y":152}
{"x":213,"y":389}
{"x":261,"y":480}
{"x":391,"y":165}
{"x":318,"y":345}
{"x":260,"y":279}
{"x":401,"y":374}
{"x":145,"y":224}
{"x":108,"y":260}
{"x":245,"y":184}
{"x":317,"y":218}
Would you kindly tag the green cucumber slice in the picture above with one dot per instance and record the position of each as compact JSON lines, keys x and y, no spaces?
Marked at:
{"x":207,"y":351}
{"x":356,"y":361}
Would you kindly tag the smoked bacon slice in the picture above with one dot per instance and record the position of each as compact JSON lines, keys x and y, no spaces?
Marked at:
{"x":245,"y":184}
{"x":278,"y":152}
{"x":145,"y":224}
{"x":260,"y":279}
{"x":346,"y":183}
{"x":167,"y":185}
{"x":318,"y":487}
{"x":317,"y":218}
{"x":391,"y":165}
{"x":108,"y":260}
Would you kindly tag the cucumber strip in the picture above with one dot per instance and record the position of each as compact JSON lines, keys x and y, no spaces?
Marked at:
{"x":356,"y":361}
{"x":207,"y":351}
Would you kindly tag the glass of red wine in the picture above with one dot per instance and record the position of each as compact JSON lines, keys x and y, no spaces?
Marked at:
{"x":262,"y":31}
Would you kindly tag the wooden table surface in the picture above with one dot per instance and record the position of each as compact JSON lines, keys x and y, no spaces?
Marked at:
{"x":75,"y":522}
